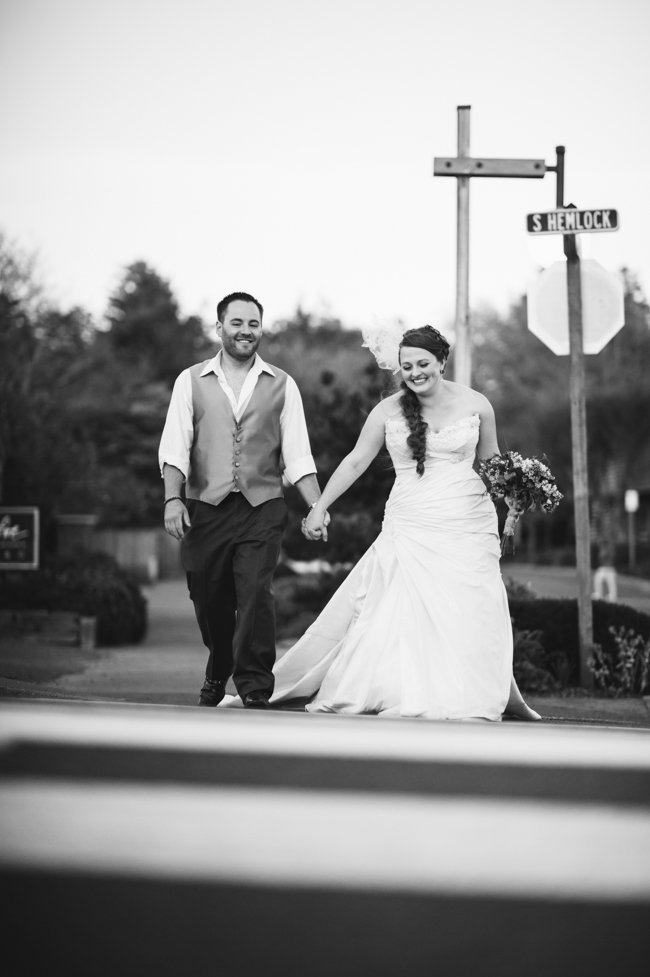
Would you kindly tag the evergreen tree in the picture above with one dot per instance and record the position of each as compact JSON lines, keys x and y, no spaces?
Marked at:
{"x":146,"y":331}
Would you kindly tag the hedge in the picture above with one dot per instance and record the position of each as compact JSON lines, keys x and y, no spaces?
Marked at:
{"x":557,"y":620}
{"x":299,"y":599}
{"x":91,"y":584}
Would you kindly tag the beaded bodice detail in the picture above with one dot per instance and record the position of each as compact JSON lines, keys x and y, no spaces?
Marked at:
{"x":454,"y":443}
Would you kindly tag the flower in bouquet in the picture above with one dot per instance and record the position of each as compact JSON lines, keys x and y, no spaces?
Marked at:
{"x":524,"y":484}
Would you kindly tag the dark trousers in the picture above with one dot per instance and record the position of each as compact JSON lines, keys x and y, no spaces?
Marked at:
{"x":230,"y":554}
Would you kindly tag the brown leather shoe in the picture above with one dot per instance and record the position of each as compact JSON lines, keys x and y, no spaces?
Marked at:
{"x":212,"y":692}
{"x":256,"y":700}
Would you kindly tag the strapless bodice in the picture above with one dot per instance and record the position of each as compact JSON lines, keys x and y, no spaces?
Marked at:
{"x":453,"y":444}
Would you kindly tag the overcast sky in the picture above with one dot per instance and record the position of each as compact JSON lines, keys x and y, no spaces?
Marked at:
{"x":286,"y":147}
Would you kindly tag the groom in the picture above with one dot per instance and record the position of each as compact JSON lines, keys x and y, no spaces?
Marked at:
{"x":234,"y":424}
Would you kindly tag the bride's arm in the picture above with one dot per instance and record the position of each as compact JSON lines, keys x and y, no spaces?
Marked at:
{"x":353,"y":465}
{"x":487,"y":442}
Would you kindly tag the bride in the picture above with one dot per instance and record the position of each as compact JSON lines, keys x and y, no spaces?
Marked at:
{"x":420,"y":627}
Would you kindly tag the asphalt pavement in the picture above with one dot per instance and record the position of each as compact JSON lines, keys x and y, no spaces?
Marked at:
{"x":150,"y":836}
{"x":154,"y":839}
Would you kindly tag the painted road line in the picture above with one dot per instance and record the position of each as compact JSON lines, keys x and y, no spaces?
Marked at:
{"x":77,"y":761}
{"x":326,"y":736}
{"x":329,"y":839}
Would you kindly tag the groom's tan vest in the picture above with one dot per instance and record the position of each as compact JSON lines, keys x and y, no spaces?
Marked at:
{"x":227,"y":454}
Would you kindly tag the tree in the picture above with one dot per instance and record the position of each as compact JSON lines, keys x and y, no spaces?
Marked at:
{"x":529,"y":388}
{"x":618,"y":419}
{"x":145,"y":328}
{"x":19,"y":296}
{"x":120,"y":416}
{"x":82,"y":411}
{"x":41,"y":349}
{"x":48,"y":465}
{"x":340,"y":383}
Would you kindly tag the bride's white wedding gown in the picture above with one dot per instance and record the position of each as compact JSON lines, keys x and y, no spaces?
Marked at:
{"x":420,"y":627}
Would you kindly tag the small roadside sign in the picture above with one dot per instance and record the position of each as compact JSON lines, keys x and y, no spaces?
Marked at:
{"x":570,"y":221}
{"x":19,"y":537}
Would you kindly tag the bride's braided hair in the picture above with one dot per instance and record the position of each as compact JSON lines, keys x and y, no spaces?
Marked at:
{"x":434,"y":342}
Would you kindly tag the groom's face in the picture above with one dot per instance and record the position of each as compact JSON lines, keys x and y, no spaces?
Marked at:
{"x":241,"y":330}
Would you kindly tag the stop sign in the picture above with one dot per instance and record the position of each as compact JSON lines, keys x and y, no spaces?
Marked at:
{"x":602,"y":307}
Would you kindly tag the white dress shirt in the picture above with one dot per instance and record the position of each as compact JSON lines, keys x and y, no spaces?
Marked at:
{"x":178,"y":433}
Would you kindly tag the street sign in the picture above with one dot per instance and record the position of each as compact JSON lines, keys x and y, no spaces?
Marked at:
{"x":533,"y":169}
{"x":571,"y":221}
{"x":603,"y":311}
{"x":19,"y":537}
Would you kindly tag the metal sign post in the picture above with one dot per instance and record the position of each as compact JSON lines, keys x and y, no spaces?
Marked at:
{"x":631,"y":507}
{"x":579,"y":458}
{"x":569,"y":221}
{"x":464,"y":167}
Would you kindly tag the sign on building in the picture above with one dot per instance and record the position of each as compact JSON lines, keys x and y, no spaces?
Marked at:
{"x":19,"y":537}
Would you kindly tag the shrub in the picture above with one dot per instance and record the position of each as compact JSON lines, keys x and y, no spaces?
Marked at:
{"x":91,"y":584}
{"x":350,"y":535}
{"x":628,"y":673}
{"x":299,"y":600}
{"x":557,"y":619}
{"x":518,"y":591}
{"x":535,"y":668}
{"x":531,"y":663}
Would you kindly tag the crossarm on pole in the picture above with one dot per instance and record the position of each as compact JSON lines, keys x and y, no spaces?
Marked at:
{"x":533,"y":169}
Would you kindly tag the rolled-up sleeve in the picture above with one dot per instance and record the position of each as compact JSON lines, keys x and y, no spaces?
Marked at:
{"x":178,"y":433}
{"x":296,"y":450}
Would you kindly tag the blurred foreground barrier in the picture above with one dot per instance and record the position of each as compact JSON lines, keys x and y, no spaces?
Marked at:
{"x":139,"y":840}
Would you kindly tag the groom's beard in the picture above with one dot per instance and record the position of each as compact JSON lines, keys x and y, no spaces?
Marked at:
{"x":238,"y":350}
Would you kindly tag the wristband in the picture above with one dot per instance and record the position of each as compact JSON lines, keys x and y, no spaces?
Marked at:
{"x":171,"y":499}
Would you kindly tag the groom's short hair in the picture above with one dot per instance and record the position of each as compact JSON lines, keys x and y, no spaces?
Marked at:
{"x":222,"y":307}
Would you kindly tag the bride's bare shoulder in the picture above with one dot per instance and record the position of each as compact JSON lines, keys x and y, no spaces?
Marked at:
{"x":470,"y":400}
{"x":389,"y":406}
{"x":384,"y":410}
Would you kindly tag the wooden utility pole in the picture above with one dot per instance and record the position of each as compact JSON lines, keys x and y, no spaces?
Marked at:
{"x":464,"y":167}
{"x":578,"y":440}
{"x":463,"y":346}
{"x":604,"y":323}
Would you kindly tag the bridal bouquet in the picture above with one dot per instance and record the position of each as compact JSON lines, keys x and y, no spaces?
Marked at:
{"x":524,"y":483}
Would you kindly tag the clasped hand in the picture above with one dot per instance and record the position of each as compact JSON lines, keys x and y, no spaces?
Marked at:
{"x":314,"y":525}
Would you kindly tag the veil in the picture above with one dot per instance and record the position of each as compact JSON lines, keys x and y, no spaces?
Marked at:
{"x":382,"y":338}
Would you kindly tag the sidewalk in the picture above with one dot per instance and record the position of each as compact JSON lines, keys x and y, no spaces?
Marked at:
{"x":168,"y":667}
{"x":550,"y":581}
